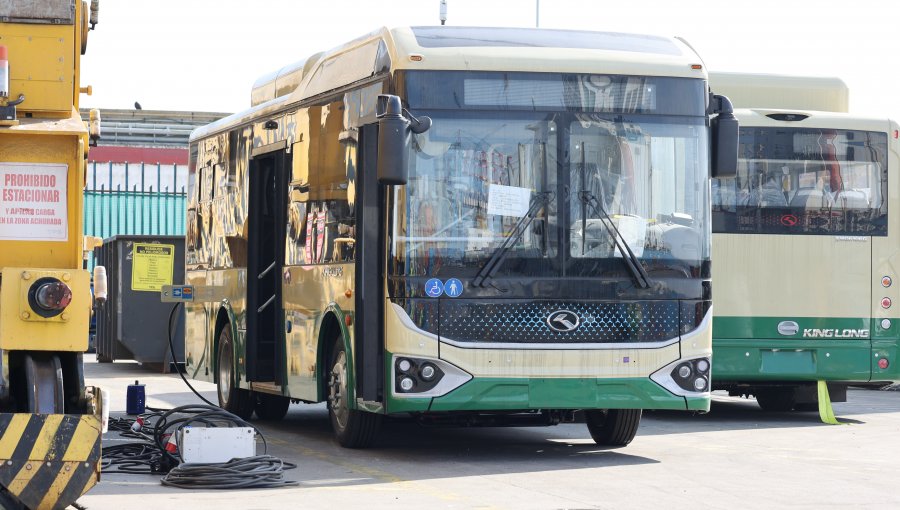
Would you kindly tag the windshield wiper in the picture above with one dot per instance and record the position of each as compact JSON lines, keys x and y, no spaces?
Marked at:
{"x":631,"y":261}
{"x":490,"y":267}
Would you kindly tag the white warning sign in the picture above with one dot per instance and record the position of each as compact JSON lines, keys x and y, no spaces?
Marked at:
{"x":33,"y":202}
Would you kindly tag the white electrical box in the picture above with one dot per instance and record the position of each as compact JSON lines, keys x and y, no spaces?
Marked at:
{"x":206,"y":445}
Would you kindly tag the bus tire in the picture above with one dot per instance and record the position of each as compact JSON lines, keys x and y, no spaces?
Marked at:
{"x":233,"y":399}
{"x":352,"y":428}
{"x":613,"y":427}
{"x":776,"y":400}
{"x":271,"y":407}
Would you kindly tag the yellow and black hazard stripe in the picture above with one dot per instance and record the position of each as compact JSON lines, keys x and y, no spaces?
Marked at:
{"x":47,"y":461}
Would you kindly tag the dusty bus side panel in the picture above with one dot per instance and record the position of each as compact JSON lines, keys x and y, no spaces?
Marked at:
{"x":318,"y":268}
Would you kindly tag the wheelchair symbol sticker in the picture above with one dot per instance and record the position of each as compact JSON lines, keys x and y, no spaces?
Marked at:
{"x":434,"y":288}
{"x":453,"y":287}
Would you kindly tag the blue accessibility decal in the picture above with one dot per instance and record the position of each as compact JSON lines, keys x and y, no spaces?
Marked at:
{"x":434,"y":288}
{"x":453,"y":287}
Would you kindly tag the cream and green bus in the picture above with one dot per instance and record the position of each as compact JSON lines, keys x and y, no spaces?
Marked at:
{"x":806,"y":243}
{"x":471,"y":226}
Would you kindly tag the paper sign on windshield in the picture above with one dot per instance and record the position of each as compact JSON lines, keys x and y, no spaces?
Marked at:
{"x":33,"y":203}
{"x":634,"y":232}
{"x":508,"y":200}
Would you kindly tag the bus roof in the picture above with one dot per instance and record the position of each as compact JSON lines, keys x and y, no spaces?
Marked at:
{"x":757,"y":90}
{"x":465,"y":48}
{"x":783,"y":118}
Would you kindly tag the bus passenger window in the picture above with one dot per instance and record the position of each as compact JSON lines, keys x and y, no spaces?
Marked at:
{"x":341,"y":229}
{"x":295,"y":245}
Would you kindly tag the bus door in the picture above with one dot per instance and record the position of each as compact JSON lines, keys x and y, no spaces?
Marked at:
{"x":267,"y":217}
{"x":369,"y":332}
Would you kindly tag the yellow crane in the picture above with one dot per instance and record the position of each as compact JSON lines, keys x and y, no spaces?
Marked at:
{"x":50,"y":424}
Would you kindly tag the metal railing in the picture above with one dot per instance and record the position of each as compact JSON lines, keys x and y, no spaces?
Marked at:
{"x":134,"y":200}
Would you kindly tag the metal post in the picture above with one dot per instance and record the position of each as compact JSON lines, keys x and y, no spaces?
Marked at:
{"x":134,"y":203}
{"x":165,"y":212}
{"x":94,"y":202}
{"x":537,"y":14}
{"x":150,"y":207}
{"x":102,"y":187}
{"x":119,"y":211}
{"x":182,"y":202}
{"x":158,"y":198}
{"x":143,"y":200}
{"x":109,"y":201}
{"x":126,"y":200}
{"x":174,"y":194}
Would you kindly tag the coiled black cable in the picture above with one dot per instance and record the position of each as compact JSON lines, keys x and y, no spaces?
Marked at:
{"x":149,"y":454}
{"x":260,"y":472}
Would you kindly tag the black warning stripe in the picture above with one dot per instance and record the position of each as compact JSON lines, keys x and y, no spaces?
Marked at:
{"x":77,"y":484}
{"x":48,"y":468}
{"x":28,"y":436}
{"x":61,"y":438}
{"x":33,"y":493}
{"x":5,"y":419}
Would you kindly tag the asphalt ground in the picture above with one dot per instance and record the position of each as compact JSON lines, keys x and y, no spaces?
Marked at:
{"x":737,"y":456}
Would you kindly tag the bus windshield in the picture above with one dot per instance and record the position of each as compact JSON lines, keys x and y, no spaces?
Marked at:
{"x":600,"y":177}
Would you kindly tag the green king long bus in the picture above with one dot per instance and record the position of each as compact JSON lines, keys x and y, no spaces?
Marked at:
{"x":806,"y":240}
{"x":479,"y":226}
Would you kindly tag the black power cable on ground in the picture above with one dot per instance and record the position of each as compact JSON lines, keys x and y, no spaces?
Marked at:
{"x":150,"y":454}
{"x":178,"y":367}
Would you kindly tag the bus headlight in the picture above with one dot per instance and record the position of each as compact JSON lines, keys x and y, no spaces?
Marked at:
{"x":700,"y":384}
{"x":425,"y":377}
{"x":406,"y":384}
{"x":685,"y":377}
{"x":48,"y":297}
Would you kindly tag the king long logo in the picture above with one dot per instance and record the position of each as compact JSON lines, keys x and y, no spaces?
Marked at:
{"x":563,"y":321}
{"x":791,"y":328}
{"x":835,"y":333}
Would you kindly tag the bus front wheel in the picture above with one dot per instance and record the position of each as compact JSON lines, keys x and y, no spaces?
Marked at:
{"x":613,"y":427}
{"x":233,"y":399}
{"x":352,"y":428}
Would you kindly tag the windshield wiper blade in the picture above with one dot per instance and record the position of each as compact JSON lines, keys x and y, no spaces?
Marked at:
{"x":490,"y":267}
{"x":628,"y":257}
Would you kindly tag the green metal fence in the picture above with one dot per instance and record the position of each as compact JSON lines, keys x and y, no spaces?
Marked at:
{"x":135,"y":199}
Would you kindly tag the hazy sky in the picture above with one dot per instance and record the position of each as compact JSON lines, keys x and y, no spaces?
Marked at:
{"x":203,"y":55}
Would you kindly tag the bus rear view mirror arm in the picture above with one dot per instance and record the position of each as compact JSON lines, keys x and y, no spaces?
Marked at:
{"x":724,"y":134}
{"x":395,"y":124}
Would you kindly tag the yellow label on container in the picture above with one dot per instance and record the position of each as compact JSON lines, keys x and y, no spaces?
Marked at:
{"x":152,"y":266}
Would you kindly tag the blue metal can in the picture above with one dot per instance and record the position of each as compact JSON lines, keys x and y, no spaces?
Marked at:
{"x":135,"y":399}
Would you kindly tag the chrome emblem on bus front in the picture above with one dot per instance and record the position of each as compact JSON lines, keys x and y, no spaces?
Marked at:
{"x":788,"y":328}
{"x":563,"y":321}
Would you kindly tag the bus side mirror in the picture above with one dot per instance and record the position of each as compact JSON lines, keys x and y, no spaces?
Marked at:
{"x":724,"y":133}
{"x":394,"y":128}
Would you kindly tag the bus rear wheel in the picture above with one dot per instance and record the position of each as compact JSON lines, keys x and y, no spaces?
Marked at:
{"x":613,"y":427}
{"x":233,"y":399}
{"x":352,"y":428}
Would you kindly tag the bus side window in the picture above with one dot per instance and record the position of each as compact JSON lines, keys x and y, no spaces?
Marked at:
{"x":203,"y":213}
{"x":295,"y":243}
{"x":341,"y":230}
{"x":330,"y":218}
